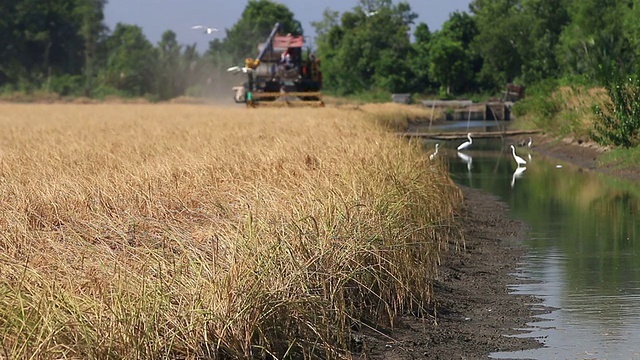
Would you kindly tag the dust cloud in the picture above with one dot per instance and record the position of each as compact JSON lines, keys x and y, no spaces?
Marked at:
{"x":218,"y":86}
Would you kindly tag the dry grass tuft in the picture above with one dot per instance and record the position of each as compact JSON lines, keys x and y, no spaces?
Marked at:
{"x":182,"y":231}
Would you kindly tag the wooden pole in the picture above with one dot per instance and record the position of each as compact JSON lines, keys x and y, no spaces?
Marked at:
{"x":433,"y":110}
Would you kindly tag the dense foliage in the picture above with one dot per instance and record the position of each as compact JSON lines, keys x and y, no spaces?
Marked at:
{"x":377,"y":47}
{"x":64,"y":47}
{"x":618,"y":121}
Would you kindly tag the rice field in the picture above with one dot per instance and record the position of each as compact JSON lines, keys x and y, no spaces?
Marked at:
{"x":202,"y":232}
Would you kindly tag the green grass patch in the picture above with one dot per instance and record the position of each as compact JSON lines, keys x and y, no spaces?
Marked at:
{"x":621,"y":158}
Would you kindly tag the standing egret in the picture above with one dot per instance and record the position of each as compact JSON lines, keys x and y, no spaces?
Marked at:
{"x":435,"y":153}
{"x":530,"y":142}
{"x":207,"y":30}
{"x":466,"y":144}
{"x":518,"y":159}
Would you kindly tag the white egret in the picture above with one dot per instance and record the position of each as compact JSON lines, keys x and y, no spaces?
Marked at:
{"x":435,"y":153}
{"x":466,"y":144}
{"x":530,"y":142}
{"x":517,"y":174}
{"x":371,"y":13}
{"x":518,"y":159}
{"x":237,"y":69}
{"x":207,"y":30}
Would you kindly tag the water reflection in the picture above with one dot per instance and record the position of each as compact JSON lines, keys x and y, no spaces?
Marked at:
{"x":517,"y":174}
{"x":466,"y":159}
{"x":584,"y":248}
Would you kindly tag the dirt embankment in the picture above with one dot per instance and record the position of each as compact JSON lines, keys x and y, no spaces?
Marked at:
{"x":474,"y":307}
{"x":584,"y":154}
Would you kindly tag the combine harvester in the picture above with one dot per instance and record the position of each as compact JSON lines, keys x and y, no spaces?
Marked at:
{"x":279,"y":76}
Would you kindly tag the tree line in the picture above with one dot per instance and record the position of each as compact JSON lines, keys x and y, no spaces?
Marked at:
{"x":63,"y":46}
{"x":494,"y":43}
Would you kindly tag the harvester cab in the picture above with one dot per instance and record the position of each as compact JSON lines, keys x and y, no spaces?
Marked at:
{"x":281,"y":74}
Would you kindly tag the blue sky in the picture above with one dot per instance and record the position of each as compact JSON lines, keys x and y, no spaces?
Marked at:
{"x":156,"y":16}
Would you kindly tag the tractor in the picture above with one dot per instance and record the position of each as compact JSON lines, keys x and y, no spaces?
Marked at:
{"x":281,"y":75}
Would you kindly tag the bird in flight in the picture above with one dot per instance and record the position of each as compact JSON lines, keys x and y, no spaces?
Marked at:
{"x":237,"y":69}
{"x":207,"y":30}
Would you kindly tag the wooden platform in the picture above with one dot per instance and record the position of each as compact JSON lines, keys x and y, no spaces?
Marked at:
{"x":466,"y":110}
{"x":463,"y":135}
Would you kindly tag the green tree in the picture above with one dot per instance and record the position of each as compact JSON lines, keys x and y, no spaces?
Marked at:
{"x":631,"y":26}
{"x":48,"y":44}
{"x":40,"y":39}
{"x":191,"y":64}
{"x":462,"y":28}
{"x":543,"y":22}
{"x":369,"y":49}
{"x":131,"y":61}
{"x":255,"y":24}
{"x":421,"y":59}
{"x":500,"y":34}
{"x":594,"y":35}
{"x":449,"y":65}
{"x":93,"y":31}
{"x":618,"y":120}
{"x":169,"y":71}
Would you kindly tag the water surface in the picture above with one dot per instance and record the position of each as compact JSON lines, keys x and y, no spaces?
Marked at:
{"x":583,"y":248}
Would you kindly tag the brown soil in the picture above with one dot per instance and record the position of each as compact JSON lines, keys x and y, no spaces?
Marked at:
{"x":474,"y":309}
{"x":583,"y":154}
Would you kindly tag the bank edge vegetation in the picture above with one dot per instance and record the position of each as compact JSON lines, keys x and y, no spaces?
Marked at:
{"x":185,"y":231}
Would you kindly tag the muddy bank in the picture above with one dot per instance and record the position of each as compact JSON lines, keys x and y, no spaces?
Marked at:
{"x":584,"y":154}
{"x":473,"y":308}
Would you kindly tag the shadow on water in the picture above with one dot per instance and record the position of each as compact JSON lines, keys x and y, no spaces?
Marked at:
{"x":583,"y":248}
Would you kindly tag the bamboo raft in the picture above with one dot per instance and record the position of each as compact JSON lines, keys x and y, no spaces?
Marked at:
{"x":463,"y":135}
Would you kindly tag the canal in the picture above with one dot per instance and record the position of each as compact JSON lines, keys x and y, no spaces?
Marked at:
{"x":583,"y":248}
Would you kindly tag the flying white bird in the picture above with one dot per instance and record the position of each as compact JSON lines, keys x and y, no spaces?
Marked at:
{"x":435,"y":153}
{"x":466,"y":144}
{"x":518,"y":159}
{"x":371,"y":13}
{"x":237,"y":69}
{"x":207,"y":30}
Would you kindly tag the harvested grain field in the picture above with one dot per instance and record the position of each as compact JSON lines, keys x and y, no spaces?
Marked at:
{"x":190,"y":231}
